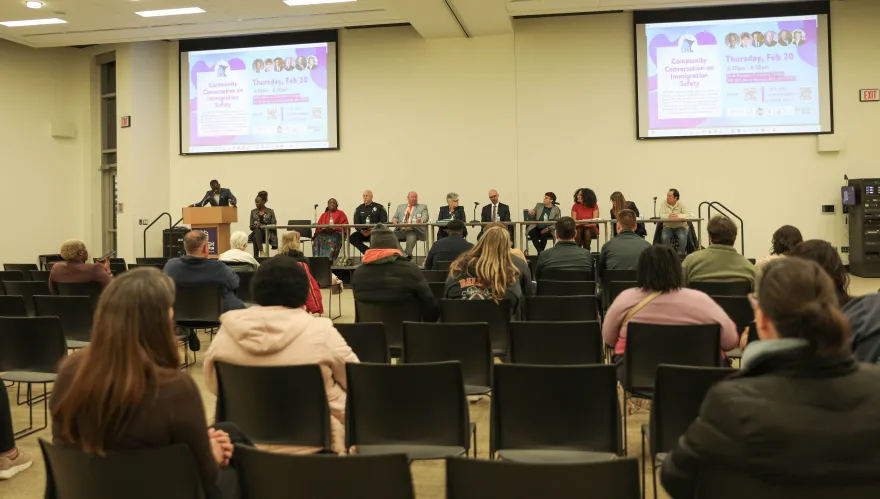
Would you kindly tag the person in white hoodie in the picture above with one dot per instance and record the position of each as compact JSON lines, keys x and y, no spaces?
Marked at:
{"x":238,"y":242}
{"x":280,"y":332}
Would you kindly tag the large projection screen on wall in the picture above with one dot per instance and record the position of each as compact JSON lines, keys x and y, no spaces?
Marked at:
{"x":744,"y":70}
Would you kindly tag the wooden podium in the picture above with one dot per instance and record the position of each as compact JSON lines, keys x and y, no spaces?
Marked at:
{"x":213,"y":221}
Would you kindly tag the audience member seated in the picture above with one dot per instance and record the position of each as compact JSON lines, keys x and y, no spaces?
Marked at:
{"x":720,"y":261}
{"x":279,"y":332}
{"x":660,"y":299}
{"x":327,"y":242}
{"x":546,"y":211}
{"x":487,"y":272}
{"x":800,"y":410}
{"x":452,"y":211}
{"x":387,"y":277}
{"x":196,"y":268}
{"x":566,"y":254}
{"x":826,"y":256}
{"x":12,"y":460}
{"x":783,"y":242}
{"x":521,"y":263}
{"x":238,"y":242}
{"x":450,"y":247}
{"x":863,"y":314}
{"x":126,"y":392}
{"x":74,"y":268}
{"x":623,"y":250}
{"x":670,"y":211}
{"x":290,"y":250}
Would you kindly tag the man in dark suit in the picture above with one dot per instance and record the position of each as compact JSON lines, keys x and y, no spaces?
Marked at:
{"x":496,"y":212}
{"x":449,"y":248}
{"x":218,"y":196}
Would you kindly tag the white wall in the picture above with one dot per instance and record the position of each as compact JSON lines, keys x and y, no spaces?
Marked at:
{"x":42,"y":184}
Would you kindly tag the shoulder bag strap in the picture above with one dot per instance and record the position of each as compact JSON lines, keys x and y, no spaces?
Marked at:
{"x":633,"y":311}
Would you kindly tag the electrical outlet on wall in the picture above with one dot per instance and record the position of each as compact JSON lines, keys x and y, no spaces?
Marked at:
{"x":844,"y":249}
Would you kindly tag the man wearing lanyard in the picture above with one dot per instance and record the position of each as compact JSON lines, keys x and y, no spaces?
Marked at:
{"x":411,"y":212}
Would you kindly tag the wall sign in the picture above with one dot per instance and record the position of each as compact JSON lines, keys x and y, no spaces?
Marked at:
{"x":869,"y":95}
{"x":125,"y":121}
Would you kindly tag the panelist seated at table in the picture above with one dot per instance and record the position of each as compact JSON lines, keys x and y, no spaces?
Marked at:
{"x":495,"y":212}
{"x":546,"y":211}
{"x":452,"y":211}
{"x":327,"y":242}
{"x":218,"y":196}
{"x":410,"y":212}
{"x":672,"y":210}
{"x":369,"y":213}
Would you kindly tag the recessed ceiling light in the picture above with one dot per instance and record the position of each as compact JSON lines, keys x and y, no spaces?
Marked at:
{"x":298,"y":3}
{"x":32,"y":22}
{"x":33,"y":5}
{"x":170,"y":12}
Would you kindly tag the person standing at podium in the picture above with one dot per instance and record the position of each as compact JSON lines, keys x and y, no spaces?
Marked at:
{"x":260,"y":217}
{"x":368,"y":213}
{"x":218,"y":196}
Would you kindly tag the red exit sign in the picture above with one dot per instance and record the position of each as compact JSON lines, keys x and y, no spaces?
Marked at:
{"x":869,"y":95}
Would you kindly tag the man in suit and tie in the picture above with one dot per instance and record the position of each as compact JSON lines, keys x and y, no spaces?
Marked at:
{"x":410,"y":212}
{"x":496,"y":212}
{"x":218,"y":196}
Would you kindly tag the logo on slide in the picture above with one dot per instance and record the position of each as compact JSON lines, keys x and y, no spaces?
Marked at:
{"x":687,"y":44}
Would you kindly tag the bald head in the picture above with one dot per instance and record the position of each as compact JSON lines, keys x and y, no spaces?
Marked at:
{"x":493,"y":196}
{"x":195,"y":242}
{"x":412,"y":198}
{"x":368,"y":197}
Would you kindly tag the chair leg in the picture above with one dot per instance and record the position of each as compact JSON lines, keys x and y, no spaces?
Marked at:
{"x":475,"y":442}
{"x":654,"y":473}
{"x":644,"y":467}
{"x":31,"y":401}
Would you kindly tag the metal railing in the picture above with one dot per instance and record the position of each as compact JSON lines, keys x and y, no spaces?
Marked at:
{"x":164,"y":214}
{"x":727,"y":212}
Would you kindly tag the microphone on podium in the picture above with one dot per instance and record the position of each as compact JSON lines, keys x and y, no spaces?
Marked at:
{"x":476,"y":203}
{"x":655,"y":217}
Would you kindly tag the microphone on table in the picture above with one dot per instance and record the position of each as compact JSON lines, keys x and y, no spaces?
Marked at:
{"x":316,"y":212}
{"x":476,"y":203}
{"x":655,"y":217}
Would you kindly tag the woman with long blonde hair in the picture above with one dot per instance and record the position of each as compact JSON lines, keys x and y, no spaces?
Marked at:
{"x":487,"y":271}
{"x":290,"y":248}
{"x":618,"y":203}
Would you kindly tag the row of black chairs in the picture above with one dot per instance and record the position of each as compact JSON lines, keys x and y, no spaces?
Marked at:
{"x":27,"y":290}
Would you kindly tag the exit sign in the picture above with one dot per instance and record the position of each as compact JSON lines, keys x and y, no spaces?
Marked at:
{"x":869,"y":95}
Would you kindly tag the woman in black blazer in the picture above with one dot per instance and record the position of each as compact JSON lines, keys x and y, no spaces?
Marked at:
{"x":451,"y":212}
{"x":617,"y":199}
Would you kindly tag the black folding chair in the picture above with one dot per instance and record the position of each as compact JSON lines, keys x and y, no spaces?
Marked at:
{"x":609,"y":275}
{"x":415,"y":409}
{"x":277,"y":405}
{"x":497,"y":315}
{"x":367,"y":340}
{"x":679,"y":391}
{"x":268,"y":475}
{"x":40,"y":275}
{"x":722,"y":288}
{"x":24,"y":268}
{"x":442,"y":265}
{"x":12,"y":275}
{"x":469,"y":344}
{"x":392,"y":315}
{"x":118,"y":268}
{"x":566,"y":288}
{"x":438,"y":289}
{"x":166,"y":472}
{"x":562,"y":308}
{"x":545,"y":414}
{"x":436,"y":275}
{"x":27,"y":290}
{"x":30,"y":350}
{"x":481,"y":479}
{"x":238,"y":267}
{"x":244,"y":291}
{"x":197,"y":307}
{"x":738,"y":309}
{"x":12,"y":306}
{"x":132,"y":266}
{"x":90,"y":289}
{"x":715,"y":483}
{"x":614,"y":288}
{"x":556,"y":343}
{"x":75,"y":313}
{"x":320,"y":267}
{"x":157,"y":261}
{"x":305,"y":233}
{"x":566,"y":275}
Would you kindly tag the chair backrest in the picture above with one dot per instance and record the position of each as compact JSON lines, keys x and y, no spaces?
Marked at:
{"x":166,"y":472}
{"x":118,"y":268}
{"x":723,"y":288}
{"x":279,"y":405}
{"x":47,"y":261}
{"x":269,"y":475}
{"x":556,"y":343}
{"x":40,"y":275}
{"x":160,"y":261}
{"x":244,"y":291}
{"x":435,"y":275}
{"x":566,"y":275}
{"x":566,"y":288}
{"x":614,"y":288}
{"x":406,"y":403}
{"x":649,"y":345}
{"x":438,"y":289}
{"x":367,"y":340}
{"x":391,"y":314}
{"x":469,"y":311}
{"x":75,"y":312}
{"x":12,"y":306}
{"x":198,"y":304}
{"x":91,"y":289}
{"x":26,"y":289}
{"x":562,"y":308}
{"x":610,"y":275}
{"x":31,"y":344}
{"x":555,"y":407}
{"x":320,"y":269}
{"x":442,"y":265}
{"x":12,"y":275}
{"x":117,"y":261}
{"x":483,"y":479}
{"x":238,"y":266}
{"x":436,"y":342}
{"x":25,"y":268}
{"x":678,"y":393}
{"x":304,"y":232}
{"x":132,"y":266}
{"x":714,"y":483}
{"x":738,"y":309}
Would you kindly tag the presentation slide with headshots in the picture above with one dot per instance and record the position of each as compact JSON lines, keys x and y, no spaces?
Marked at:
{"x":260,"y":99}
{"x":734,"y":77}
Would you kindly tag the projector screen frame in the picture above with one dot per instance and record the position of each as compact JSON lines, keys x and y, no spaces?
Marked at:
{"x":733,"y":12}
{"x":248,"y":41}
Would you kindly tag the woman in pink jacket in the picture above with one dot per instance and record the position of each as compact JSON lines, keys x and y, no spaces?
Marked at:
{"x":279,"y":332}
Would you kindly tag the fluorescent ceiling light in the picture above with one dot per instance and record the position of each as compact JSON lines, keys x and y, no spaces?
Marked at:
{"x":32,"y":22}
{"x":298,"y":3}
{"x":170,"y":12}
{"x":33,"y":5}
